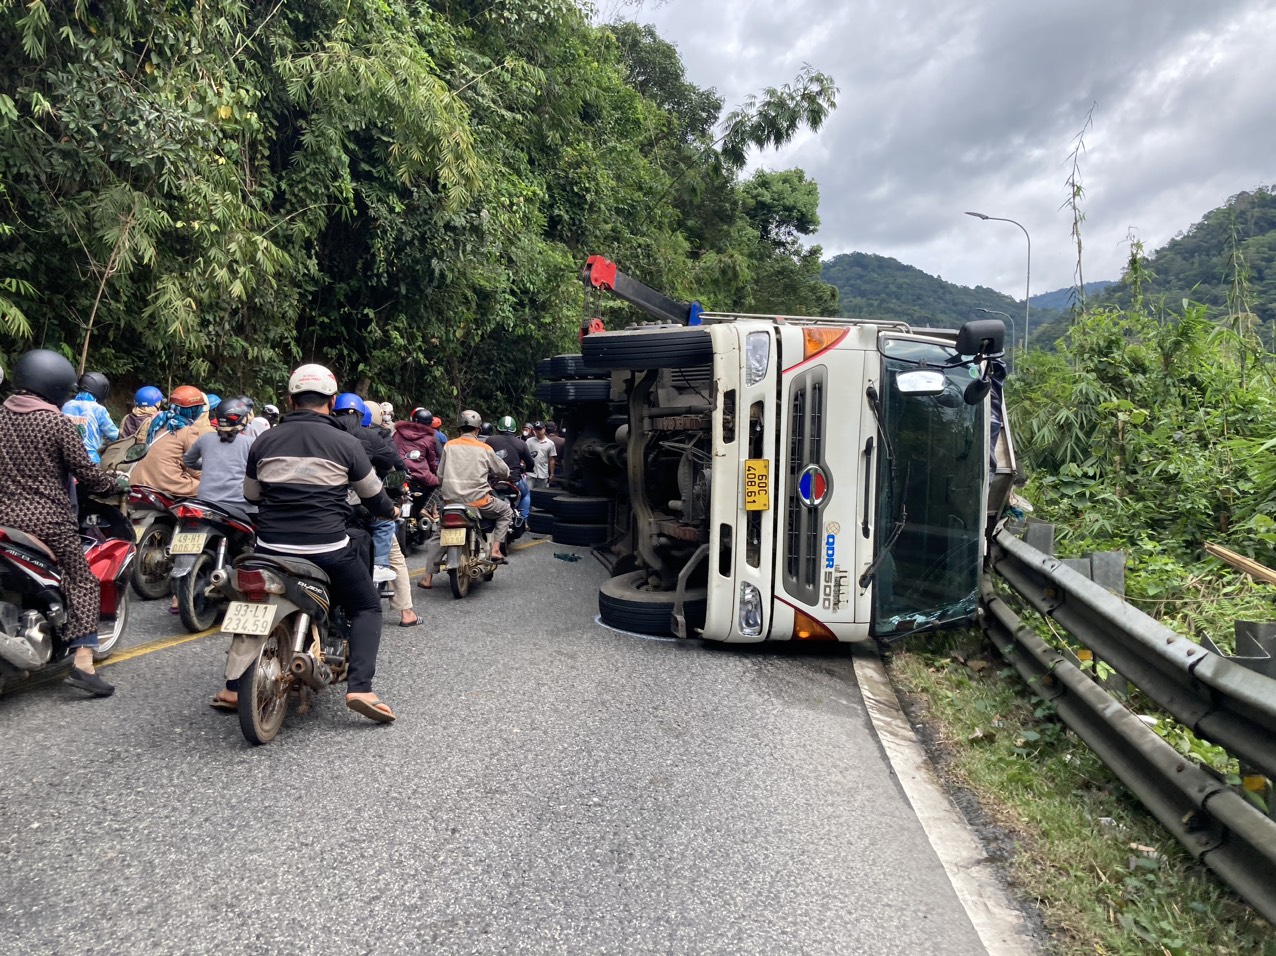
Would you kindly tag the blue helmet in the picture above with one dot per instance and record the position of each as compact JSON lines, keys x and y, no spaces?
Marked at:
{"x":149,"y":395}
{"x":350,"y":402}
{"x":213,"y":401}
{"x":367,"y":416}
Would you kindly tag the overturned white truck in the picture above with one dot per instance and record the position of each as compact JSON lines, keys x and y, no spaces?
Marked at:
{"x":783,"y":478}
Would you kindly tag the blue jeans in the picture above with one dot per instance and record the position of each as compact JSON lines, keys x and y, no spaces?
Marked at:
{"x":524,"y":498}
{"x":382,"y":537}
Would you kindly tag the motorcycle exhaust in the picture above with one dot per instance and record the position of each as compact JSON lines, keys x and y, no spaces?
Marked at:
{"x":218,"y":578}
{"x":313,"y":673}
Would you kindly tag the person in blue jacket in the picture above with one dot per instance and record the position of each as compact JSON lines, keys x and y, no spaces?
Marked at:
{"x":89,"y":416}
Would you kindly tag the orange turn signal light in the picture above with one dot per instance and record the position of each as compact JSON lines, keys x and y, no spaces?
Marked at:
{"x":816,"y":340}
{"x":807,"y":628}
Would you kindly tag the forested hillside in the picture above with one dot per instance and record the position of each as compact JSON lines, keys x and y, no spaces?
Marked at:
{"x":878,"y":287}
{"x":1062,"y":300}
{"x":1227,"y":261}
{"x":401,"y":189}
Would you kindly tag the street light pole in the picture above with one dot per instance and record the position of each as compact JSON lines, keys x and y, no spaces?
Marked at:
{"x":1027,"y":289}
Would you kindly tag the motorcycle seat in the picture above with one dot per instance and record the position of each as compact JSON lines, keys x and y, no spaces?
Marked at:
{"x":297,"y":567}
{"x":24,"y":540}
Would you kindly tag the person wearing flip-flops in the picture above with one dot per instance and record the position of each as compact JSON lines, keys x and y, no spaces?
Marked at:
{"x":298,"y":473}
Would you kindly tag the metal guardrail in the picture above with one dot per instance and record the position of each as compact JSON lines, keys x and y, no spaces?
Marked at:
{"x":1217,"y":698}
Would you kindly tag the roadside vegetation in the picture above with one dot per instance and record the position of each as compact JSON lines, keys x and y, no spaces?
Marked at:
{"x":401,"y":189}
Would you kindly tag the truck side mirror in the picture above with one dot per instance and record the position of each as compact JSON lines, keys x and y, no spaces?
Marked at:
{"x":981,"y":337}
{"x":920,"y":382}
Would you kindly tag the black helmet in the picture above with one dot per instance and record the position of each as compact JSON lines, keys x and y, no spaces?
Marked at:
{"x":423,"y":416}
{"x":232,"y":413}
{"x":485,"y":429}
{"x":96,"y":384}
{"x":46,"y":374}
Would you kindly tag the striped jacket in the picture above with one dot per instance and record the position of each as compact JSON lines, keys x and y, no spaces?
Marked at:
{"x":299,"y":471}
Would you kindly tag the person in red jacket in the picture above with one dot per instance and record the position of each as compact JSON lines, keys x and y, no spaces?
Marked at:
{"x":417,"y":435}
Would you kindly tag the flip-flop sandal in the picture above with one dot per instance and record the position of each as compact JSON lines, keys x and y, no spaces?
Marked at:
{"x":411,"y":623}
{"x":425,"y":585}
{"x":377,"y":710}
{"x":224,"y":705}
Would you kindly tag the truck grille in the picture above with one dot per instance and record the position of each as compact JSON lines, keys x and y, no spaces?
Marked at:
{"x":804,"y":546}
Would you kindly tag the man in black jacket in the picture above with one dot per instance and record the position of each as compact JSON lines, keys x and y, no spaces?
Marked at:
{"x":298,"y":473}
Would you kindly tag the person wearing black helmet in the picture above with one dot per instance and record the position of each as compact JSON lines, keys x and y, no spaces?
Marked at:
{"x":271,"y":414}
{"x":43,"y":446}
{"x":88,"y":414}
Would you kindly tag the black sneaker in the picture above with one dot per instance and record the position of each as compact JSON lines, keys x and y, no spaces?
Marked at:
{"x":93,"y":683}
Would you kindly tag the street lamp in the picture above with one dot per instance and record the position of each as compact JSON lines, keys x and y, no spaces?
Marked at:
{"x":1010,"y":324}
{"x":1028,"y":281}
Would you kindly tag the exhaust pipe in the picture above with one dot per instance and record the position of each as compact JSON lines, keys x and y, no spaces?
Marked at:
{"x":218,"y":578}
{"x":315,"y":674}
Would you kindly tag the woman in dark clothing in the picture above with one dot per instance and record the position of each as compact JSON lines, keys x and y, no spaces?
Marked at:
{"x":40,"y":450}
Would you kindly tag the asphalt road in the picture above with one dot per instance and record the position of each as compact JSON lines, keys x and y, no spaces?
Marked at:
{"x":550,"y":786}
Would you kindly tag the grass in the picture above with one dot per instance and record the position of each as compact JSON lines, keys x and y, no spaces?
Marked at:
{"x":1104,"y":875}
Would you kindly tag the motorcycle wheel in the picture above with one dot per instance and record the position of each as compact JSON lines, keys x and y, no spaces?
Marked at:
{"x":460,"y":581}
{"x":152,"y":565}
{"x":198,"y":611}
{"x":106,"y":648}
{"x":263,"y":690}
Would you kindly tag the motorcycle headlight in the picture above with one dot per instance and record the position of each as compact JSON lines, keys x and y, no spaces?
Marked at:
{"x":750,"y":610}
{"x":757,"y":356}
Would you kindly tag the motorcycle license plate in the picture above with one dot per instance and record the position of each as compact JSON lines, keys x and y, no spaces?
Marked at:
{"x":187,"y":542}
{"x":757,"y":484}
{"x":244,"y":617}
{"x":139,"y":530}
{"x":450,"y":537}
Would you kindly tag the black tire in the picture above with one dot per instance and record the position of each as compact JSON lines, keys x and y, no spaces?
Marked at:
{"x":581,"y":535}
{"x":543,"y":368}
{"x":198,"y":611}
{"x":580,"y":508}
{"x":152,"y":565}
{"x":573,"y":366}
{"x":573,"y":393}
{"x":657,"y":348}
{"x":542,"y":390}
{"x":460,"y":582}
{"x":625,"y":603}
{"x":263,"y":690}
{"x":543,"y":498}
{"x":540,"y":522}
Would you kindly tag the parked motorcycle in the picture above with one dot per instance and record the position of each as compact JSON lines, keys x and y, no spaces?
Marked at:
{"x":288,"y":638}
{"x":33,"y":608}
{"x":151,"y":512}
{"x":209,"y":535}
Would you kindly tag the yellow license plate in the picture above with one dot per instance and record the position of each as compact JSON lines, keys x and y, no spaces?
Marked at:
{"x":451,"y":537}
{"x":187,"y":542}
{"x":244,"y":617}
{"x":757,"y":484}
{"x":138,"y":531}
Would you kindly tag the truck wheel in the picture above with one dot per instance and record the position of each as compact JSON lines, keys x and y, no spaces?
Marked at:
{"x":581,"y":535}
{"x":580,"y":508}
{"x":543,"y":368}
{"x":543,"y":498}
{"x":542,"y":391}
{"x":540,"y":522}
{"x":657,"y":348}
{"x":626,"y":603}
{"x":573,"y":366}
{"x":573,"y":393}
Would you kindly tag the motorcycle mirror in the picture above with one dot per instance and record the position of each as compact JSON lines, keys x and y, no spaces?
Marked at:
{"x":134,"y":453}
{"x":414,"y":454}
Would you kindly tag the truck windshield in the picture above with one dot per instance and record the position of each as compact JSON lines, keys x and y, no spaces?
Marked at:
{"x":930,"y":499}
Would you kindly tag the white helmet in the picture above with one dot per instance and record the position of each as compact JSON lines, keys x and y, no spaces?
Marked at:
{"x":313,"y":378}
{"x":471,"y":419}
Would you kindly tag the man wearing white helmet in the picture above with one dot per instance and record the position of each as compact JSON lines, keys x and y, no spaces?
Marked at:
{"x":298,"y":473}
{"x":465,"y":473}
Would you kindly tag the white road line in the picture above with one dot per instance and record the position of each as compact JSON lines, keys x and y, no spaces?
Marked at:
{"x":1000,"y":926}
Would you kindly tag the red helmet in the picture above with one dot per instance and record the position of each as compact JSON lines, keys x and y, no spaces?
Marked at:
{"x":186,"y":396}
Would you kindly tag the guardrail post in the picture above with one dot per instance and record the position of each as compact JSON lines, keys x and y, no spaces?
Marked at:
{"x":1255,"y":650}
{"x":1106,"y":569}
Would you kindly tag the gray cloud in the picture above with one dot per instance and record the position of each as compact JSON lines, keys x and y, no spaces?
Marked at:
{"x":948,"y":107}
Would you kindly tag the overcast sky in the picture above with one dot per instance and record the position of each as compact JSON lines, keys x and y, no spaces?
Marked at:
{"x":947,"y":107}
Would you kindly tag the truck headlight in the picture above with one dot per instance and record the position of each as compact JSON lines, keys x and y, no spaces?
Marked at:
{"x":750,"y":610}
{"x":757,"y":356}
